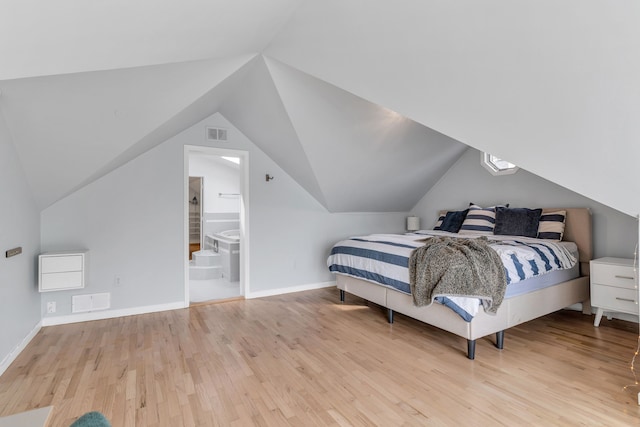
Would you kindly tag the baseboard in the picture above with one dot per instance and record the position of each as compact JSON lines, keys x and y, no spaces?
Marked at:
{"x":281,"y":291}
{"x":8,"y":360}
{"x":110,"y":314}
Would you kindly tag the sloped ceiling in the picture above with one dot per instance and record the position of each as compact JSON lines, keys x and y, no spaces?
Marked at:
{"x":553,"y":87}
{"x":348,"y":153}
{"x":257,"y":110}
{"x":72,"y":36}
{"x":66,"y":127}
{"x":365,"y":157}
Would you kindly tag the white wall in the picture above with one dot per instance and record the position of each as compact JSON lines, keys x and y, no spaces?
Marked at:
{"x":132,"y":222}
{"x":19,"y":226}
{"x":614,"y":233}
{"x":220,"y":176}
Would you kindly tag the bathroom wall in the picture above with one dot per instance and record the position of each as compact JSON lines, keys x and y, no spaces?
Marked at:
{"x":221,"y":178}
{"x":215,"y":222}
{"x":221,"y":184}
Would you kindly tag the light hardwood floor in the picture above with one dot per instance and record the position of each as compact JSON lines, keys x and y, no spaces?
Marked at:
{"x":305,"y":359}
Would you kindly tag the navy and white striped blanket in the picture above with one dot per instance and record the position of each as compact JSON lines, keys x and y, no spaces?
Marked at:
{"x":384,"y":259}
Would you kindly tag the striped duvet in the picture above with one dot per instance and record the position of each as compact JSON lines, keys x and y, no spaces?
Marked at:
{"x":384,"y":259}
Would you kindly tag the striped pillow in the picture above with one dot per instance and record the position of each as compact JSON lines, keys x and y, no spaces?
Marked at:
{"x":551,"y":225}
{"x":479,"y":221}
{"x":441,"y":216}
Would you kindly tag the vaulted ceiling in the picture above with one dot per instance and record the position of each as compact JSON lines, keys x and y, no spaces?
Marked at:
{"x":354,"y":99}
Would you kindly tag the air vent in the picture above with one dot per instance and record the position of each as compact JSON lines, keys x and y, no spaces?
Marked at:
{"x":92,"y":302}
{"x":216,"y":134}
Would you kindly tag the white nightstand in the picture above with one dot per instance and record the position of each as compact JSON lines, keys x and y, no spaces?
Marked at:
{"x":60,"y":271}
{"x":614,"y":286}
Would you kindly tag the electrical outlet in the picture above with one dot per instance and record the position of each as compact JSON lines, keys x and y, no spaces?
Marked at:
{"x":51,"y":307}
{"x":117,"y":281}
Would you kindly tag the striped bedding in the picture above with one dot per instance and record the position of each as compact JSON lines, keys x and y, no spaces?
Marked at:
{"x":384,"y":259}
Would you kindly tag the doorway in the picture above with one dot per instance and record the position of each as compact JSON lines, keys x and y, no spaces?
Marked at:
{"x":216,"y":199}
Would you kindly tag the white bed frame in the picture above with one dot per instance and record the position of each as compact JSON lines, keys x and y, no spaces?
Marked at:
{"x":513,"y":311}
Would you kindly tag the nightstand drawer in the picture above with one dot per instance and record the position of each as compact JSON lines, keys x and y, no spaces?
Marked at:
{"x":614,"y":275}
{"x":616,"y":299}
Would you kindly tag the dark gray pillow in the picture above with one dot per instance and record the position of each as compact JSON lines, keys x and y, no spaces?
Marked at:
{"x":453,"y":221}
{"x":517,"y":221}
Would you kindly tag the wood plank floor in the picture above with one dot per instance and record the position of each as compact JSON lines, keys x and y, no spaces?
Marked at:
{"x":305,"y":359}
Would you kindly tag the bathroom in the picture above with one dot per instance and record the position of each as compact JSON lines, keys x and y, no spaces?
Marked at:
{"x":214,"y":227}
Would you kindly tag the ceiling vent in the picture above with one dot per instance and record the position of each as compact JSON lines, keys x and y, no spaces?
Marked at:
{"x":216,"y":134}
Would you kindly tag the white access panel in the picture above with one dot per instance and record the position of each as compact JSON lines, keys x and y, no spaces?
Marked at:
{"x":57,"y":264}
{"x":59,"y":271}
{"x":63,"y":280}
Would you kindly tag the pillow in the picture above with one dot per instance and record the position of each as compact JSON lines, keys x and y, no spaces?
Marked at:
{"x":479,"y":220}
{"x":551,"y":225}
{"x":517,"y":221}
{"x":453,"y":221}
{"x":441,"y":216}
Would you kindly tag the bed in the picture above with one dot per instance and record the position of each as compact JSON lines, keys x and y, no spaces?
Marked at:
{"x":513,"y":310}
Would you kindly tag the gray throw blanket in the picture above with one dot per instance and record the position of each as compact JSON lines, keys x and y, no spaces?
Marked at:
{"x":447,"y":266}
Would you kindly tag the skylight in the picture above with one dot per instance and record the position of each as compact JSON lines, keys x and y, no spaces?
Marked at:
{"x":496,"y":165}
{"x":235,"y":160}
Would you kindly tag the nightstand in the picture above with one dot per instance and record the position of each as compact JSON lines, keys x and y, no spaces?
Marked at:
{"x":614,"y":286}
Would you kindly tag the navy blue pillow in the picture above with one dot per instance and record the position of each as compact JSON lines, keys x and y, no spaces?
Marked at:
{"x":453,"y":221}
{"x":517,"y":221}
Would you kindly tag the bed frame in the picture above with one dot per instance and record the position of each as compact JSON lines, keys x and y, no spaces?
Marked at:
{"x":513,"y":311}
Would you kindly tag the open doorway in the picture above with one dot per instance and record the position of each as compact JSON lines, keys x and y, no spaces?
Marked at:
{"x":215,"y":220}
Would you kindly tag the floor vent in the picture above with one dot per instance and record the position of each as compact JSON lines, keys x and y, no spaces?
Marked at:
{"x":216,"y":134}
{"x":91,"y":302}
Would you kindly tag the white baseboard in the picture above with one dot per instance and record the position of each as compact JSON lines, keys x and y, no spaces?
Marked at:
{"x":8,"y":360}
{"x":110,"y":314}
{"x":281,"y":291}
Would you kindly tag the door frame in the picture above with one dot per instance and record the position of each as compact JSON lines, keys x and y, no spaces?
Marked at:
{"x":244,"y":212}
{"x":200,"y":209}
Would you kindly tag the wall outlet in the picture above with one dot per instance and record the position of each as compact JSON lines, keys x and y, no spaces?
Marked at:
{"x":51,"y":307}
{"x":117,"y":281}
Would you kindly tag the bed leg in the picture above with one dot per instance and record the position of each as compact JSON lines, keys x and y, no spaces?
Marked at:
{"x":390,"y":315}
{"x":341,"y":295}
{"x":500,"y":340}
{"x":471,"y":349}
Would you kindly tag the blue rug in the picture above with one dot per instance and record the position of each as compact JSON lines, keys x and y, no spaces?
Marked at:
{"x":91,"y":419}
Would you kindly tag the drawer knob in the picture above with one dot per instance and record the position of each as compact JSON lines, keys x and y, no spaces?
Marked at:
{"x":624,"y":277}
{"x":625,"y":299}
